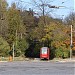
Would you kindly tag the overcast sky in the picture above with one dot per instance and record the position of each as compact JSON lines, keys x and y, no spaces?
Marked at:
{"x":69,"y":6}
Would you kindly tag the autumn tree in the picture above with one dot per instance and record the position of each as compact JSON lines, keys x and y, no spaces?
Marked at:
{"x":4,"y":46}
{"x":3,"y":18}
{"x":16,"y":28}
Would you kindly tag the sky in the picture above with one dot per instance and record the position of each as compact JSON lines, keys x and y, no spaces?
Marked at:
{"x":69,"y":6}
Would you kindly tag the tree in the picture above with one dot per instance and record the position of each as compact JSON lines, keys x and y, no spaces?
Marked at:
{"x":70,"y":19}
{"x":43,"y":8}
{"x":15,"y":25}
{"x":3,"y":18}
{"x":28,"y":20}
{"x":21,"y":48}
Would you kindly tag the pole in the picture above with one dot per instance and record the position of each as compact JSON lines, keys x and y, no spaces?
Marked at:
{"x":44,"y":14}
{"x":71,"y":44}
{"x":16,"y":37}
{"x":13,"y":51}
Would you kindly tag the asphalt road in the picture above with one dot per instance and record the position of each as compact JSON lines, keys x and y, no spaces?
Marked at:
{"x":37,"y":68}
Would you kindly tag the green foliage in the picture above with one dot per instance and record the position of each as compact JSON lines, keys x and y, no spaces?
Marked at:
{"x":19,"y":26}
{"x":62,"y":52}
{"x":3,"y":18}
{"x":59,"y":53}
{"x":21,"y":47}
{"x":65,"y":54}
{"x":4,"y":47}
{"x":15,"y":25}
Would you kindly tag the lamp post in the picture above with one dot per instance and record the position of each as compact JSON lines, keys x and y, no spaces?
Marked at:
{"x":13,"y":51}
{"x":71,"y":44}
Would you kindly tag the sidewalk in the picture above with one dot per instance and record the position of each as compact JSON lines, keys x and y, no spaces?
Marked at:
{"x":54,"y":60}
{"x":65,"y":60}
{"x":3,"y":61}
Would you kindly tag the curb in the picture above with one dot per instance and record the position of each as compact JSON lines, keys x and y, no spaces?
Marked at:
{"x":64,"y":60}
{"x":3,"y":61}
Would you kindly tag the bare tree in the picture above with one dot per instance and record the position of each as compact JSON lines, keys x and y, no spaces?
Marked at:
{"x":43,"y":8}
{"x":70,"y":20}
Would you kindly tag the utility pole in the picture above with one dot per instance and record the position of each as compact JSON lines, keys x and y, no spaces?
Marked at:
{"x":13,"y":51}
{"x":50,"y":6}
{"x":71,"y":44}
{"x":16,"y":37}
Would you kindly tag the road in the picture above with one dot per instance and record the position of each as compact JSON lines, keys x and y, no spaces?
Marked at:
{"x":37,"y":68}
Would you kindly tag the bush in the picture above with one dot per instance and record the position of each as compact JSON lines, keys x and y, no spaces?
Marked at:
{"x":65,"y":54}
{"x":62,"y":52}
{"x":4,"y":47}
{"x":59,"y":53}
{"x":52,"y":52}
